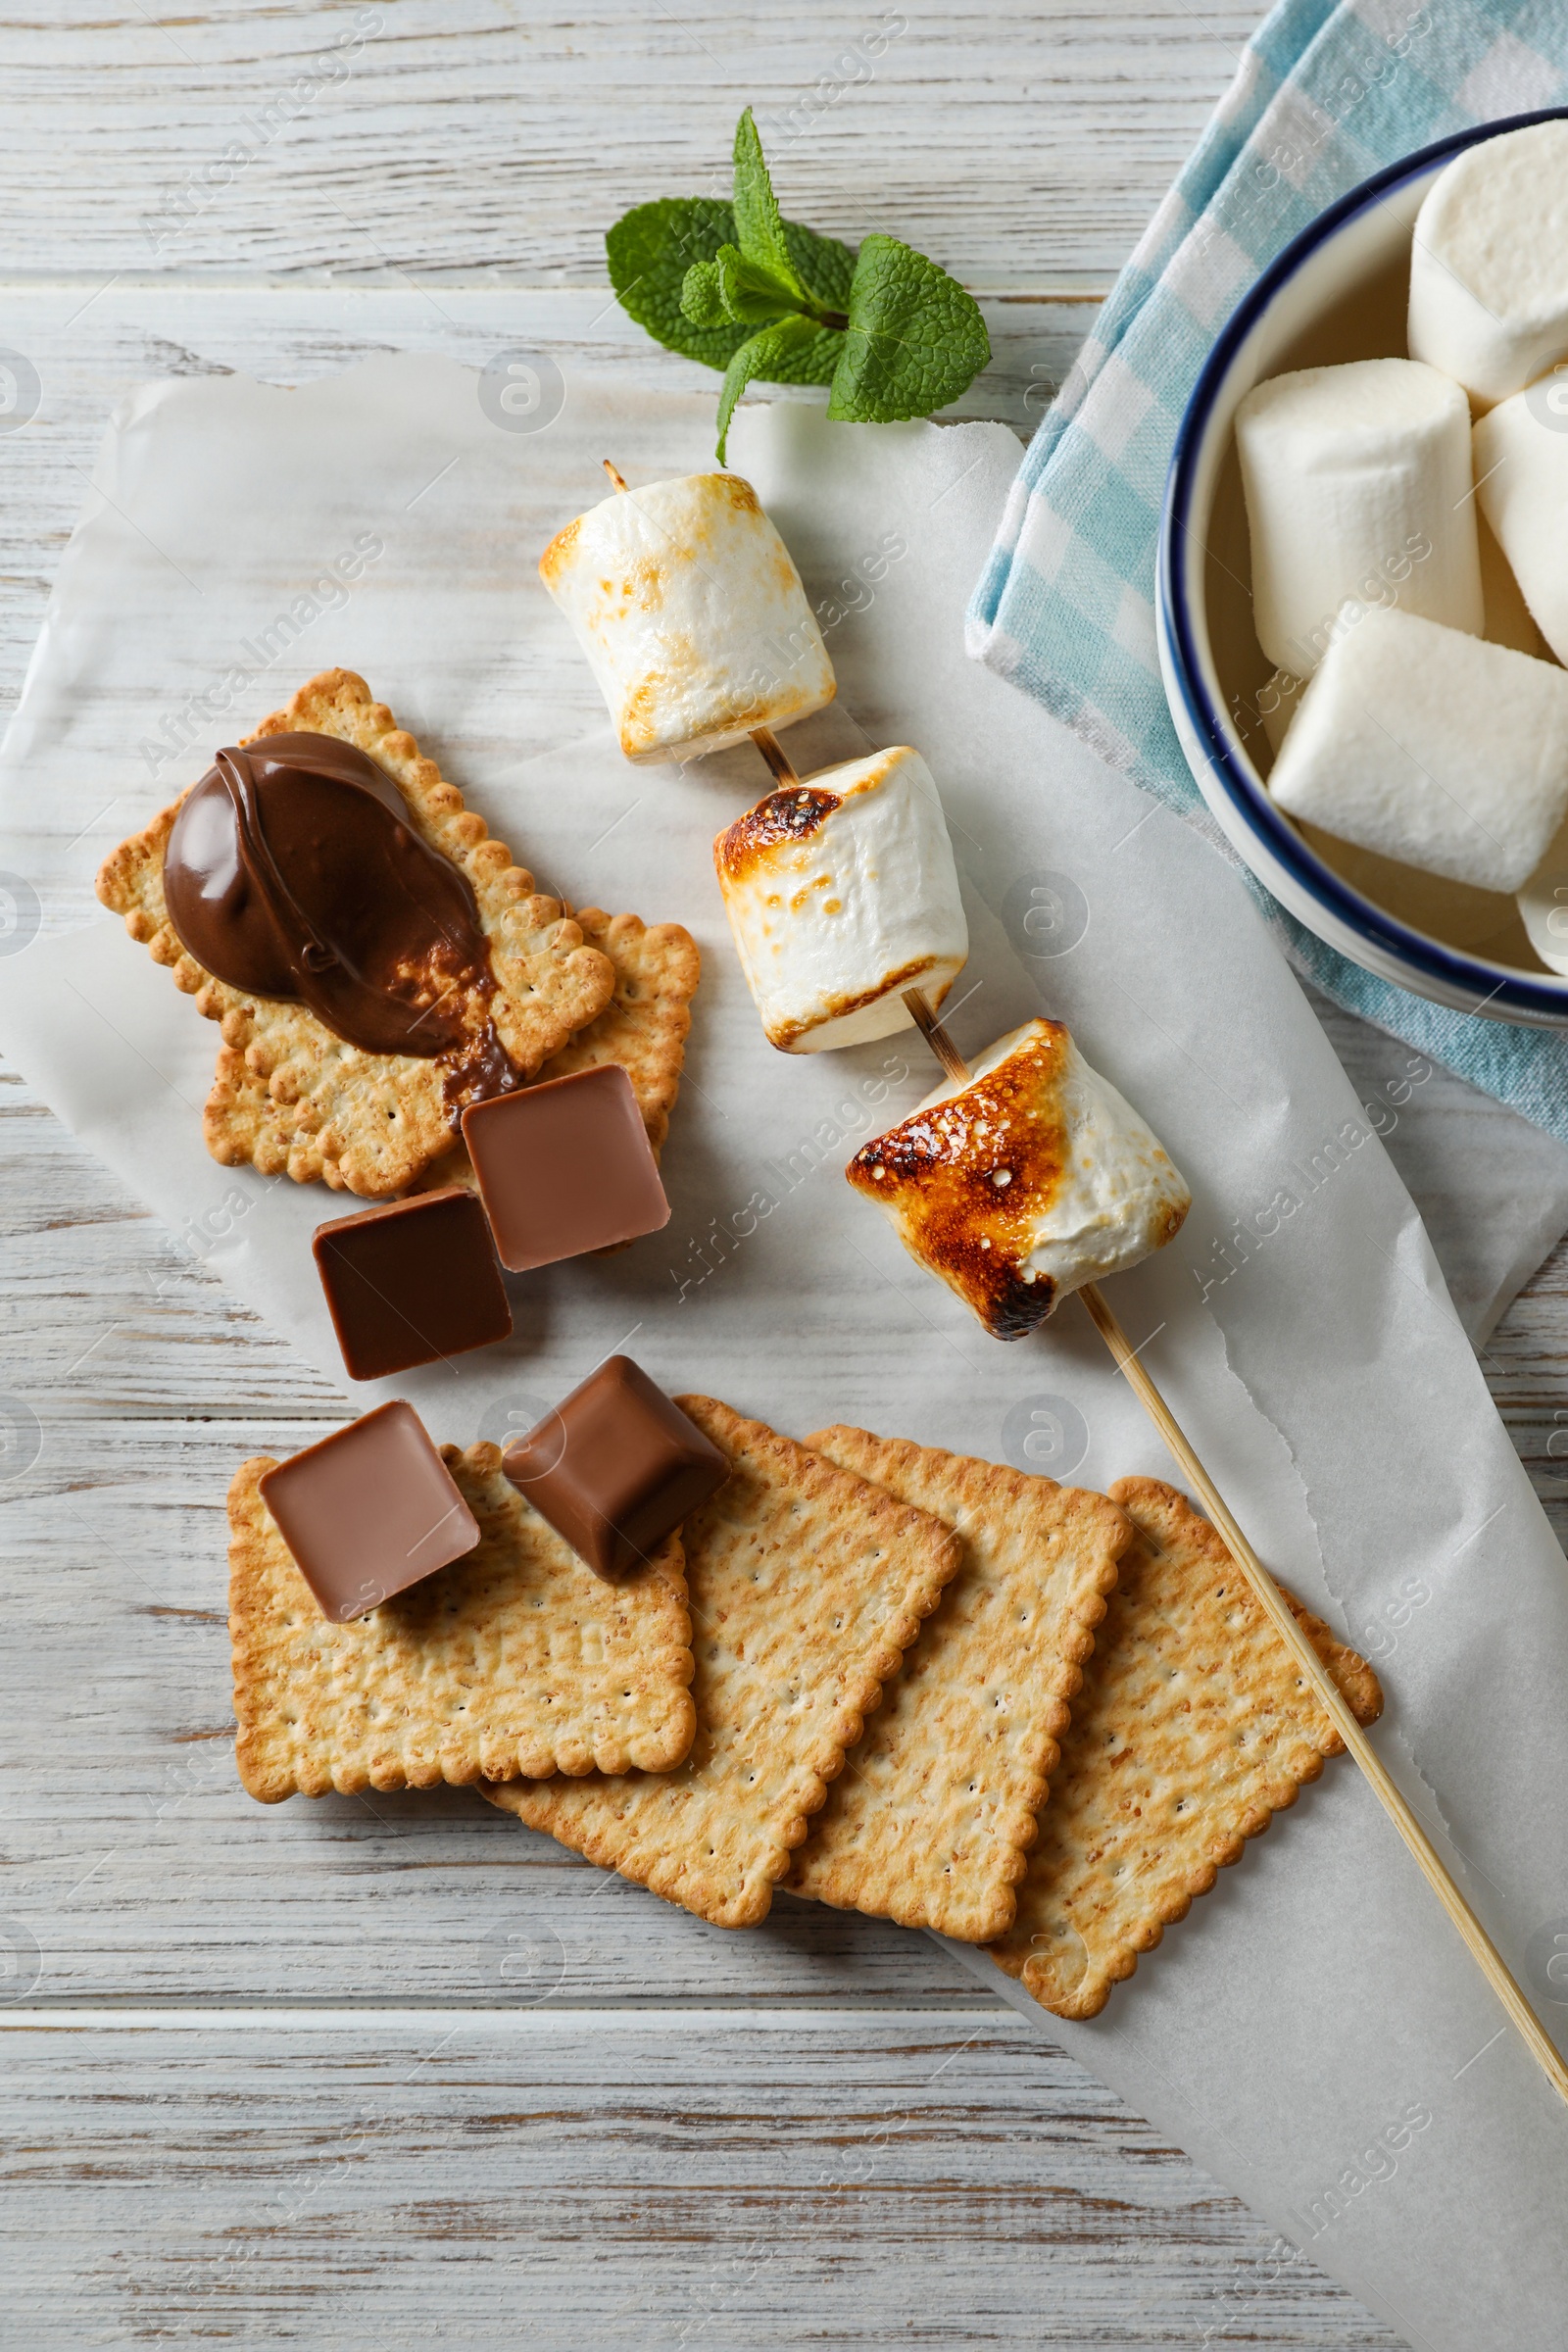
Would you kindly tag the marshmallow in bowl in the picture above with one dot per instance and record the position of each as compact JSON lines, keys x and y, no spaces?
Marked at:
{"x":1489,"y":266}
{"x":1521,"y":461}
{"x":1433,"y":747}
{"x":1025,"y":1181}
{"x":691,"y":613}
{"x":842,"y":892}
{"x":1357,"y":484}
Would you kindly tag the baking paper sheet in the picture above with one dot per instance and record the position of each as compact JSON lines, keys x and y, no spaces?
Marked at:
{"x":1314,"y":2034}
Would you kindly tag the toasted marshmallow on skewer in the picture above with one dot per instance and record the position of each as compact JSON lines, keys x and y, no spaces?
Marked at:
{"x":1025,"y":1181}
{"x":692,"y":615}
{"x":842,"y":892}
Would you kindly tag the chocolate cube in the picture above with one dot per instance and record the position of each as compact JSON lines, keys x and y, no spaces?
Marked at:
{"x":411,"y":1281}
{"x":369,"y":1511}
{"x":564,"y":1167}
{"x":615,"y":1467}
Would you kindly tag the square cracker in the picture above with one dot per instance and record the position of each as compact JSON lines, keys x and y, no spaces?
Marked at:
{"x":367,"y":1122}
{"x":1192,"y":1728}
{"x":806,"y":1587}
{"x":643,"y":1027}
{"x":514,"y":1659}
{"x":931,"y":1819}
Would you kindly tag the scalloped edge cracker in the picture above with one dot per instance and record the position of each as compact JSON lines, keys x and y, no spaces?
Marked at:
{"x":644,"y":1028}
{"x":514,"y":1659}
{"x":1192,"y":1729}
{"x":369,"y":1123}
{"x":806,"y":1587}
{"x":931,"y":1820}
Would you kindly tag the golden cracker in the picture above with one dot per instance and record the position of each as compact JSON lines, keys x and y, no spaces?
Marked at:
{"x":367,"y":1122}
{"x":932,"y":1818}
{"x":514,"y":1659}
{"x":1192,"y":1729}
{"x":806,"y":1587}
{"x":644,"y":1026}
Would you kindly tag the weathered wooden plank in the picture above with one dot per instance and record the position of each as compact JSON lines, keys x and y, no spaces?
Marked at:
{"x":478,"y":139}
{"x":563,"y":2183}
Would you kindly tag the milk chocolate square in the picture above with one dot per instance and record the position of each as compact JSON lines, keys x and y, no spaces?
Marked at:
{"x":615,"y":1467}
{"x":411,"y":1281}
{"x":564,"y":1167}
{"x":369,"y":1511}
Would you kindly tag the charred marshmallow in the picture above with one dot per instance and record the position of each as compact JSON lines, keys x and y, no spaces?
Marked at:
{"x":842,"y":892}
{"x":1025,"y":1182}
{"x":692,"y":615}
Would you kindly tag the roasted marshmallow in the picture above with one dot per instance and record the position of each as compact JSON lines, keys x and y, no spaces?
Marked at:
{"x":1027,"y":1180}
{"x":1357,"y":484}
{"x":1432,"y":747}
{"x":1521,"y":459}
{"x":842,"y":892}
{"x":692,"y":615}
{"x":1489,"y":266}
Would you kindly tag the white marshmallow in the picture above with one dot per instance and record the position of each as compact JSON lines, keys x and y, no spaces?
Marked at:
{"x":1357,"y":483}
{"x":1521,"y":459}
{"x":1489,"y":266}
{"x":692,"y":615}
{"x":1029,"y":1179}
{"x":1432,"y":747}
{"x":842,"y":892}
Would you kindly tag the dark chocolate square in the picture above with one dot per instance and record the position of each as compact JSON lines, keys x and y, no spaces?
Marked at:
{"x":564,"y":1167}
{"x":369,"y":1511}
{"x":411,"y":1281}
{"x":615,"y":1467}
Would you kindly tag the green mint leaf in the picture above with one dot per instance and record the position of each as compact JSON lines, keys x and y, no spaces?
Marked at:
{"x":652,"y":249}
{"x":771,"y":355}
{"x":916,"y":339}
{"x":702,"y":295}
{"x":751,"y":294}
{"x":759,"y":229}
{"x":649,"y":250}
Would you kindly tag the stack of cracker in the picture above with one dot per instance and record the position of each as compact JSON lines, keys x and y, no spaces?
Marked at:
{"x":878,"y":1675}
{"x":572,"y":991}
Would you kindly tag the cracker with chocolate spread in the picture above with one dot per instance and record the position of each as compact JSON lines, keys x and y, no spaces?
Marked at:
{"x":643,"y":1027}
{"x":807,"y":1585}
{"x":514,"y":1659}
{"x":373,"y":1121}
{"x":1192,"y":1729}
{"x":931,"y":1820}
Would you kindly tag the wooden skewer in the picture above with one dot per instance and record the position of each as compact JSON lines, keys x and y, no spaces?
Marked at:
{"x":1267,"y":1593}
{"x":1483,"y":1950}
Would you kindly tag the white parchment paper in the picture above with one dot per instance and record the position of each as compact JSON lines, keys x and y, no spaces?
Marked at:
{"x":1315,"y":2033}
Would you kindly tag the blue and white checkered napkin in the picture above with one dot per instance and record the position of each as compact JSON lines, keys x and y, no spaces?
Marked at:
{"x":1327,"y":95}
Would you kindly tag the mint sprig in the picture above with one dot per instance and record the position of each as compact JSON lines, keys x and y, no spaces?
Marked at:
{"x":763,"y":299}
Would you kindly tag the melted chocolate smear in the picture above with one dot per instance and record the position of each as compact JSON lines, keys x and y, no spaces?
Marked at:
{"x":292,"y":871}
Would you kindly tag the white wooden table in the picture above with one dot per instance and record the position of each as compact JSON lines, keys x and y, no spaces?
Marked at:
{"x":369,"y":2074}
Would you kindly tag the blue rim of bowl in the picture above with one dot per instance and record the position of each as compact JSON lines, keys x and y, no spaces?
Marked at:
{"x":1498,"y":987}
